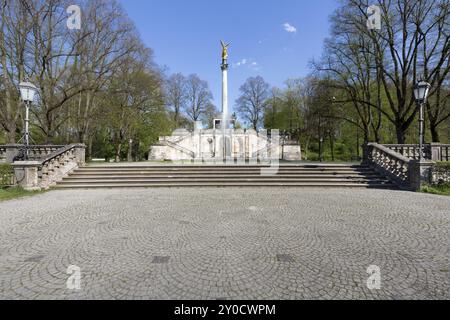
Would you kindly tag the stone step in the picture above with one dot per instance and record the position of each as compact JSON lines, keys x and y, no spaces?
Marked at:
{"x":218,"y":176}
{"x":229,"y":184}
{"x":229,"y":172}
{"x":231,"y":179}
{"x":194,"y":175}
{"x":203,"y":167}
{"x":85,"y":170}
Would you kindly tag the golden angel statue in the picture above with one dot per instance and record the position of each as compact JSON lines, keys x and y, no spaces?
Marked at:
{"x":224,"y":50}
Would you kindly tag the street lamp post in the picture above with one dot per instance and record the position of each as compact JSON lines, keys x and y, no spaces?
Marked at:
{"x":27,"y":92}
{"x":421,"y":91}
{"x":320,"y":139}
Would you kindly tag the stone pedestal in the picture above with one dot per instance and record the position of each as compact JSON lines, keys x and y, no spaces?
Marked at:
{"x":12,"y":150}
{"x":420,"y":174}
{"x":292,"y":152}
{"x":27,"y":174}
{"x":80,"y":154}
{"x":436,"y":151}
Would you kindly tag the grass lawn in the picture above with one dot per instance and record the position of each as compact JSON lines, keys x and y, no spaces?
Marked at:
{"x":440,"y":190}
{"x":14,"y":193}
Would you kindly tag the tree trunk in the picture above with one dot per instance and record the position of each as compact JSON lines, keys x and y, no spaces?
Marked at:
{"x":435,"y":133}
{"x":400,"y":134}
{"x":118,"y":150}
{"x":332,"y":147}
{"x":90,"y":143}
{"x":11,"y":134}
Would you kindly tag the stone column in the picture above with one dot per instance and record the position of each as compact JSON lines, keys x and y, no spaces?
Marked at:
{"x":224,"y":68}
{"x":12,"y":150}
{"x":27,"y":174}
{"x":435,"y":151}
{"x":225,"y":95}
{"x":80,"y":154}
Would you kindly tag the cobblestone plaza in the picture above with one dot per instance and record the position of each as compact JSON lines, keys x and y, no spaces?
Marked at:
{"x":225,"y":243}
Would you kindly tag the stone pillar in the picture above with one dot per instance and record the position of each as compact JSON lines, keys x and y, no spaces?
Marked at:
{"x":80,"y":154}
{"x":420,"y":174}
{"x":436,"y":151}
{"x":225,"y":95}
{"x":292,"y":152}
{"x":225,"y":116}
{"x":12,"y":150}
{"x":27,"y":174}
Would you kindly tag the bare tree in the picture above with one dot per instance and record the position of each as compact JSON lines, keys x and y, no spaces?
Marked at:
{"x":211,"y":113}
{"x":15,"y":25}
{"x":252,"y":101}
{"x":198,"y":97}
{"x":176,"y":95}
{"x":393,"y":54}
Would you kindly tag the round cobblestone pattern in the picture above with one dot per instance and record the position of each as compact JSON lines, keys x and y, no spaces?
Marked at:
{"x":225,"y":243}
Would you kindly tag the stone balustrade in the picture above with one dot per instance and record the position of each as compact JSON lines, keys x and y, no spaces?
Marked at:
{"x":440,"y":152}
{"x":432,"y":151}
{"x":388,"y":162}
{"x":408,"y":173}
{"x":43,"y":174}
{"x":35,"y":152}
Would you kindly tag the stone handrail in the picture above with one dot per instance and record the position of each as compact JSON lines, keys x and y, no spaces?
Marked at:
{"x":407,"y":173}
{"x":180,"y":148}
{"x":32,"y":175}
{"x":266,"y":150}
{"x":389,"y":163}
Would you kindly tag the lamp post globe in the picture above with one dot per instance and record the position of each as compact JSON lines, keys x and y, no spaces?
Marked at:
{"x":421,"y":92}
{"x":27,"y":91}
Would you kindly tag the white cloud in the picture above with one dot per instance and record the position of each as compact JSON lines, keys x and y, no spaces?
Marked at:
{"x":289,"y":28}
{"x":243,"y":62}
{"x":248,"y":63}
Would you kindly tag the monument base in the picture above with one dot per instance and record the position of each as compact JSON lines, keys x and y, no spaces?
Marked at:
{"x":208,"y":145}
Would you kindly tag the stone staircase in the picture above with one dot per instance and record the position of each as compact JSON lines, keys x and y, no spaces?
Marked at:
{"x":289,"y":175}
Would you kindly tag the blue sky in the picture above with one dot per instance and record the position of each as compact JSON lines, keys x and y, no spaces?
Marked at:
{"x":272,"y":38}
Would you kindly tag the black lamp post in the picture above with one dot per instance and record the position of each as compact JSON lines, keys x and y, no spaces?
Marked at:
{"x":27,"y":93}
{"x":421,"y":91}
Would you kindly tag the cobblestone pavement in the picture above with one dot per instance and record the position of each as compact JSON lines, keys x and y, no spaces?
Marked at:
{"x":225,"y":244}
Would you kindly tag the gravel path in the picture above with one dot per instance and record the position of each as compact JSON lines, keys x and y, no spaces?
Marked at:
{"x":225,"y":243}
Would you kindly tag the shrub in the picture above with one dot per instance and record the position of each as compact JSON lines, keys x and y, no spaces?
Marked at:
{"x":441,"y":172}
{"x":6,"y":175}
